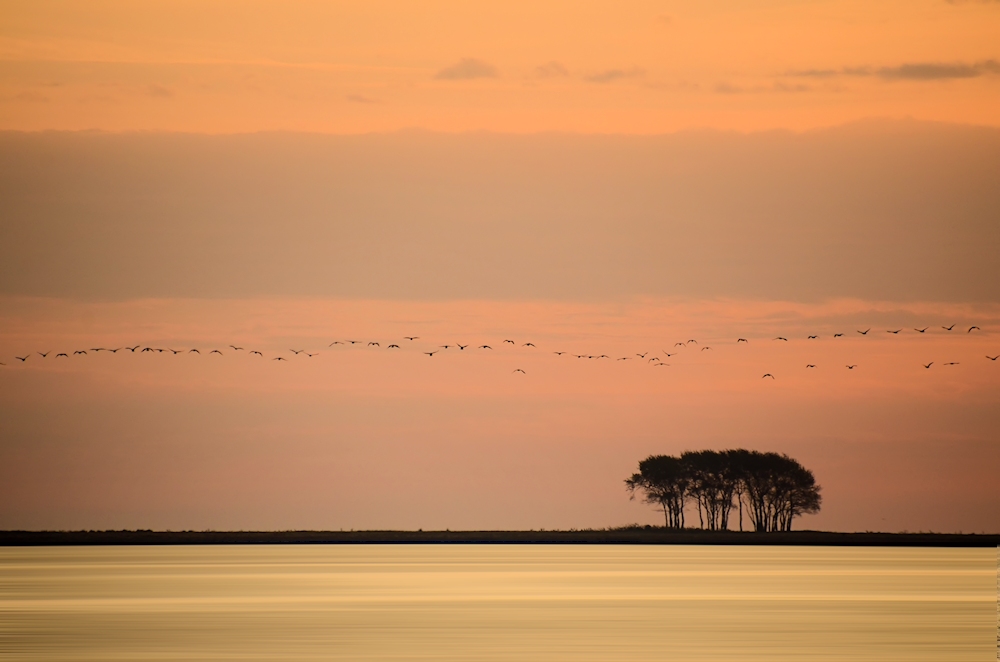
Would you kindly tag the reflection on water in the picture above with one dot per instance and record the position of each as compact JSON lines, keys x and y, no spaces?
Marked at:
{"x":503,"y":602}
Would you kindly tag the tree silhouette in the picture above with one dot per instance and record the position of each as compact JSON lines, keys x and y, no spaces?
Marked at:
{"x":770,"y":489}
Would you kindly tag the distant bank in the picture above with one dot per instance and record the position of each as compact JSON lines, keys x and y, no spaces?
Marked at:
{"x":625,"y":536}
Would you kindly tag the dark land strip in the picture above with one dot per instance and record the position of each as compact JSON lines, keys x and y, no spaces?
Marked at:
{"x":625,"y":536}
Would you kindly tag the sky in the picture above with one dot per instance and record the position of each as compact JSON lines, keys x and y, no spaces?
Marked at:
{"x":591,"y":178}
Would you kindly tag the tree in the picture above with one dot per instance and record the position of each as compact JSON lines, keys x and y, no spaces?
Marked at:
{"x":771,"y":489}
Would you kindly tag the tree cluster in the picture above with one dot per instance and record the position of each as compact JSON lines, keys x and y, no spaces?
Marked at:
{"x":768,"y":488}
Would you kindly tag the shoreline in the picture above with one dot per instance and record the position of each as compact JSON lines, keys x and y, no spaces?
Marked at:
{"x":585,"y":537}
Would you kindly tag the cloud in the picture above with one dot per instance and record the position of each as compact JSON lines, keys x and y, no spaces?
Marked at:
{"x":779,"y":87}
{"x":612,"y":75}
{"x":159,"y":91}
{"x":466,"y":69}
{"x":551,"y":70}
{"x":357,"y":98}
{"x":910,"y":71}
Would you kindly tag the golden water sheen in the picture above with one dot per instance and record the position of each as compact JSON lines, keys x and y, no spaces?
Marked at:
{"x":497,"y":602}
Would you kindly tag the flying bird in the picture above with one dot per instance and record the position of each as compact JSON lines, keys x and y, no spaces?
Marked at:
{"x":661,"y":363}
{"x":742,"y":340}
{"x":62,"y":354}
{"x":22,"y":359}
{"x":354,"y":342}
{"x":811,"y":337}
{"x":45,"y":354}
{"x":837,"y":335}
{"x":311,"y":355}
{"x":194,"y":350}
{"x":655,"y":358}
{"x":176,"y":351}
{"x":706,"y":347}
{"x":780,"y":338}
{"x":810,"y":366}
{"x":279,"y":358}
{"x":335,"y":342}
{"x":694,"y":341}
{"x":411,"y":337}
{"x":973,"y":327}
{"x":520,"y":371}
{"x":233,"y":346}
{"x":896,"y":331}
{"x":624,"y":358}
{"x":296,"y":352}
{"x":643,"y":355}
{"x":374,"y":343}
{"x":132,"y":349}
{"x":461,"y":346}
{"x":948,"y":328}
{"x":865,"y":332}
{"x":510,"y":341}
{"x":256,"y":352}
{"x":215,"y":351}
{"x":444,"y":346}
{"x":558,"y":353}
{"x":432,"y":353}
{"x":82,"y":351}
{"x":768,"y":375}
{"x":485,"y":347}
{"x":852,"y":367}
{"x":921,"y":330}
{"x":528,"y":344}
{"x":391,"y":346}
{"x":952,"y":363}
{"x":927,"y":365}
{"x":993,"y":358}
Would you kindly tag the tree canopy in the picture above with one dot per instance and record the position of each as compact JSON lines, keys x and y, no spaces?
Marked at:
{"x":769,"y":489}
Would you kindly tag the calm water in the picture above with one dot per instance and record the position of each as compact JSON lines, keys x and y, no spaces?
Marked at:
{"x":515,"y":602}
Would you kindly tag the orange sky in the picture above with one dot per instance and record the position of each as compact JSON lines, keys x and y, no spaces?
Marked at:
{"x":638,"y":67}
{"x":593,"y":177}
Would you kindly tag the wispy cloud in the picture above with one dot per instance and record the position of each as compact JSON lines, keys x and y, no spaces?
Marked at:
{"x":779,"y":87}
{"x":612,"y":75}
{"x":357,"y":98}
{"x":551,"y":70}
{"x":910,"y":71}
{"x":468,"y":68}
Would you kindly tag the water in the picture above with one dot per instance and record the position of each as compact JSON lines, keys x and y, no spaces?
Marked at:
{"x":512,"y":602}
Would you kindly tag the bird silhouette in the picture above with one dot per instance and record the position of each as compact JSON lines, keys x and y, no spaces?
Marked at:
{"x":694,"y":341}
{"x":768,"y":375}
{"x":461,"y":346}
{"x":279,"y":358}
{"x":62,"y":354}
{"x":655,"y":358}
{"x":528,"y":344}
{"x":411,"y":337}
{"x":643,"y":355}
{"x":335,"y":342}
{"x":194,"y":350}
{"x":233,"y":346}
{"x":837,"y":335}
{"x":432,"y":353}
{"x":811,"y":337}
{"x":296,"y":352}
{"x":624,"y":358}
{"x":132,"y":349}
{"x":952,"y":363}
{"x":923,"y":330}
{"x":520,"y":371}
{"x":215,"y":351}
{"x":79,"y":351}
{"x":948,"y":328}
{"x":1,"y":363}
{"x":45,"y":355}
{"x":927,"y":365}
{"x":780,"y":338}
{"x":558,"y":353}
{"x":176,"y":351}
{"x":391,"y":346}
{"x":116,"y":350}
{"x":580,"y":356}
{"x":865,"y":332}
{"x":311,"y":355}
{"x":678,"y":344}
{"x":485,"y":347}
{"x":256,"y":352}
{"x":852,"y":367}
{"x":602,"y":356}
{"x":354,"y":342}
{"x":444,"y":346}
{"x":973,"y":327}
{"x":22,"y":359}
{"x":743,"y":340}
{"x":657,"y":365}
{"x":896,"y":331}
{"x":810,"y":365}
{"x":373,"y":343}
{"x":510,"y":341}
{"x":705,"y":347}
{"x":993,"y":358}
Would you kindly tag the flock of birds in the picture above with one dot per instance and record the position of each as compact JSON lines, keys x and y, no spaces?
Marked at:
{"x":655,"y":361}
